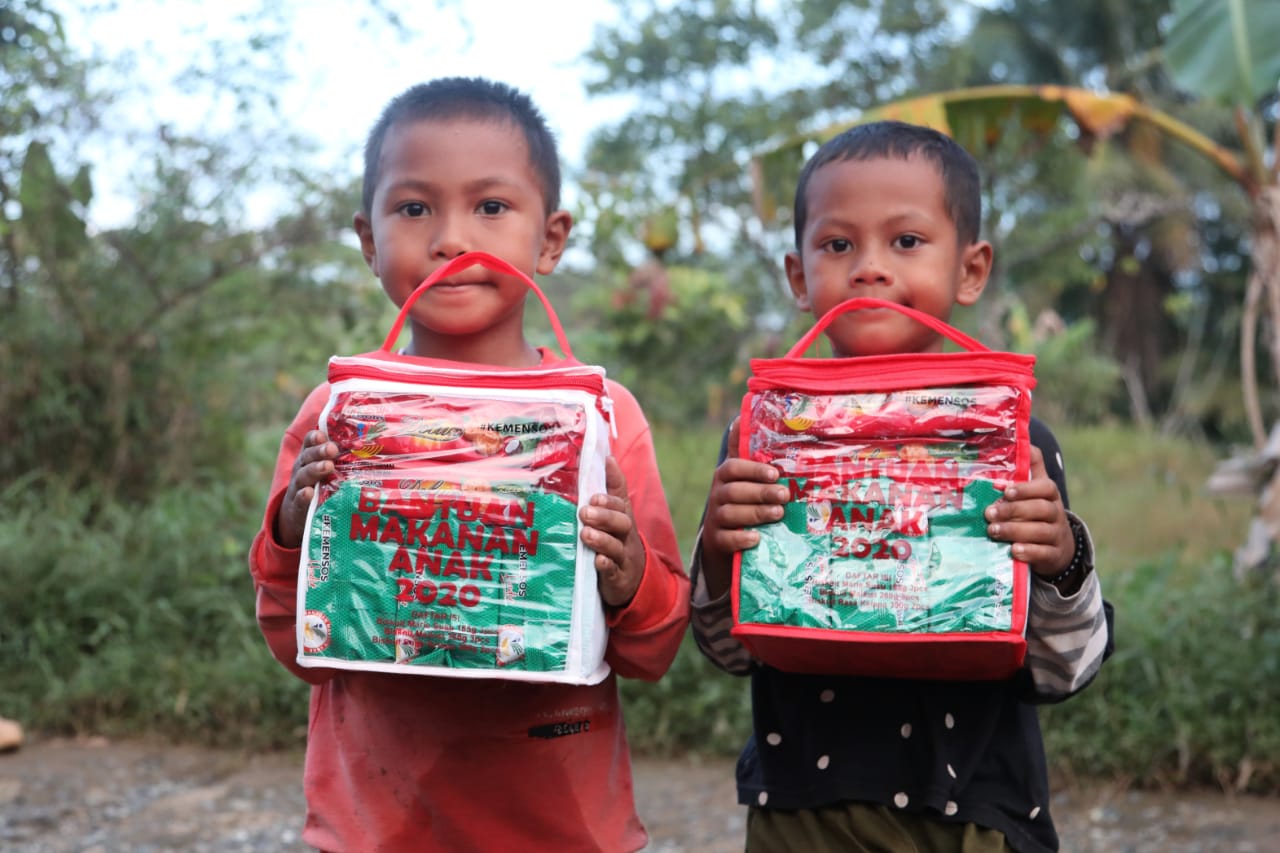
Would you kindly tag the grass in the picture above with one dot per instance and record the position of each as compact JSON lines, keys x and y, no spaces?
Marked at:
{"x":130,"y":620}
{"x":1143,"y":497}
{"x":687,"y":459}
{"x":1170,"y":708}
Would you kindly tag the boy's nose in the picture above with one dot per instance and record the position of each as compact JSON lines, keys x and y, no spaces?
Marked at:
{"x":869,"y":270}
{"x":448,"y":242}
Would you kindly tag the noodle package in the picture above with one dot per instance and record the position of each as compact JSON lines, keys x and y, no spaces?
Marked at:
{"x":881,"y":564}
{"x":447,"y":543}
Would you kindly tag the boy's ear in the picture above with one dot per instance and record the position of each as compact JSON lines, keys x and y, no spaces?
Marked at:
{"x":975,"y":267}
{"x":364,"y":230}
{"x":795,"y":278}
{"x":554,"y":239}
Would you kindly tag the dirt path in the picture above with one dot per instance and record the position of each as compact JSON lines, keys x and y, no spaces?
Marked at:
{"x":94,"y":796}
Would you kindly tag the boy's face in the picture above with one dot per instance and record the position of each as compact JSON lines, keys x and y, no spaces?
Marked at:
{"x":449,"y":186}
{"x":881,"y":228}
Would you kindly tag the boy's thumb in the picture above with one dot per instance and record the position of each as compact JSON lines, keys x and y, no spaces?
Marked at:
{"x":615,"y":482}
{"x":734,"y":434}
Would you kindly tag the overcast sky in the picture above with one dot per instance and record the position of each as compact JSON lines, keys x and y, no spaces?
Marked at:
{"x":345,"y":65}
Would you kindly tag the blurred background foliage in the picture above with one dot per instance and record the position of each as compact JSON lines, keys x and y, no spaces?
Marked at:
{"x":147,"y":369}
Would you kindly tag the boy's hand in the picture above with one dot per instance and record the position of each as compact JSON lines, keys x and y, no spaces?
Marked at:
{"x":743,"y":494}
{"x":609,"y":529}
{"x":313,"y":466}
{"x":1032,"y":517}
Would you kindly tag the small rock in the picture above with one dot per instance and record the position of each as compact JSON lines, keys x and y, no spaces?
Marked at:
{"x":10,"y":789}
{"x":10,"y":735}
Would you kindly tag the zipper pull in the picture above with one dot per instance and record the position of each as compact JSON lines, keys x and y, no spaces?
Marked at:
{"x":606,"y":408}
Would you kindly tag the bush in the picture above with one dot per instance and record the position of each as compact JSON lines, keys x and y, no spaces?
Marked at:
{"x":131,"y":619}
{"x":693,"y":708}
{"x":687,"y":459}
{"x":1183,"y":699}
{"x":126,"y":619}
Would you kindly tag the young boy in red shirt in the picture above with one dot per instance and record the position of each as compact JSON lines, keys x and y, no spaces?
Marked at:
{"x":419,"y":763}
{"x":892,"y":210}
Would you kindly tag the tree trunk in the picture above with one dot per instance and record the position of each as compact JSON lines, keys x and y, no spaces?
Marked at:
{"x":1262,"y":466}
{"x":1133,"y":320}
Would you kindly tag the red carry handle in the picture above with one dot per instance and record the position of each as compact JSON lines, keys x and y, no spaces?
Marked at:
{"x":949,"y":332}
{"x":489,"y":262}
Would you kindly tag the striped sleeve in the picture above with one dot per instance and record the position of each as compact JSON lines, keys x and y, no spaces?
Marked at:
{"x":1067,"y":636}
{"x":712,"y":620}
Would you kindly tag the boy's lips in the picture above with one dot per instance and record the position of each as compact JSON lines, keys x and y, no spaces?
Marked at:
{"x":459,"y":283}
{"x":871,"y":311}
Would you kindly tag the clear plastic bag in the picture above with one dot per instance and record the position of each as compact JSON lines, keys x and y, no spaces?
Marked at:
{"x":881,"y":564}
{"x":448,"y":542}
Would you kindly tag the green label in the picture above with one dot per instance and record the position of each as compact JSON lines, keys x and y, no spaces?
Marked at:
{"x":441,"y":578}
{"x":875,"y":564}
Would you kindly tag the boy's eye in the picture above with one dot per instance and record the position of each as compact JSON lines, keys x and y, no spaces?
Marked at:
{"x":838,"y":245}
{"x":491,"y":207}
{"x":907,"y":241}
{"x":414,"y":209}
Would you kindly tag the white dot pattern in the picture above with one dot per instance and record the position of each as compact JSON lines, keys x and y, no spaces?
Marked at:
{"x":1060,"y":465}
{"x":859,"y":739}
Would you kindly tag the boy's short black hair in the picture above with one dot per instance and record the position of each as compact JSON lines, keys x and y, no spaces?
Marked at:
{"x":898,"y":140}
{"x":473,"y":98}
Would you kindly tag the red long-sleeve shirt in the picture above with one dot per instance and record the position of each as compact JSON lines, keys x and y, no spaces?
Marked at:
{"x":420,"y":763}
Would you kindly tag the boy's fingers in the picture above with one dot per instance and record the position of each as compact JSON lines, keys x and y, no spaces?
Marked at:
{"x":735,"y":435}
{"x":1035,"y":486}
{"x":734,"y":470}
{"x":317,"y":442}
{"x":1026,"y":506}
{"x":300,"y":500}
{"x":730,"y":541}
{"x":608,"y":548}
{"x":316,"y":460}
{"x":748,"y":493}
{"x":1037,"y":464}
{"x":1044,"y":558}
{"x":313,"y":466}
{"x":750,"y":489}
{"x":617,"y":587}
{"x":1006,"y":515}
{"x":736,"y":515}
{"x":611,"y":518}
{"x":1025,"y":532}
{"x":615,"y":482}
{"x":313,"y":472}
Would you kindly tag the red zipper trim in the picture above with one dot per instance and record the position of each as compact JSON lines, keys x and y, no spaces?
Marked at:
{"x":848,"y":375}
{"x":581,"y":378}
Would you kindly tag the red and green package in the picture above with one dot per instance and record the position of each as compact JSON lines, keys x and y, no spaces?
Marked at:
{"x":881,"y":564}
{"x":448,"y":541}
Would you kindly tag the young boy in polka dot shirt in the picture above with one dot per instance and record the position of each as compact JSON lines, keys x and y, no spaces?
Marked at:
{"x":892,"y":210}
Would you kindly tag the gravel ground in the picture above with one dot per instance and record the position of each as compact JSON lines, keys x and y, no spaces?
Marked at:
{"x":96,"y":796}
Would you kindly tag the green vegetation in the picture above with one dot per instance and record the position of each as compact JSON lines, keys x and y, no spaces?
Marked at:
{"x":1144,"y":499}
{"x":147,"y":367}
{"x":127,"y":619}
{"x":1184,"y":698}
{"x":123,"y":620}
{"x":1196,"y":650}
